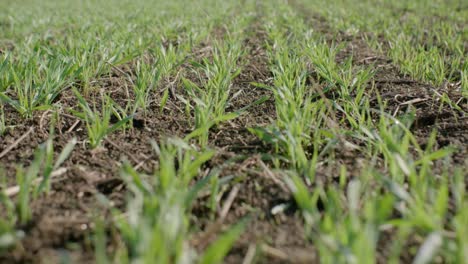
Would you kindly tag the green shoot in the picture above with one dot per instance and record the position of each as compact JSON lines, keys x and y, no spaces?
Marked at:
{"x":98,"y":124}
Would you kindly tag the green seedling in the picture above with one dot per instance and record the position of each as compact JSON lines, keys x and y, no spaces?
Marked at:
{"x":3,"y":126}
{"x":31,"y":182}
{"x":299,"y":109}
{"x":8,"y":235}
{"x":38,"y":84}
{"x":216,"y":252}
{"x":212,"y":98}
{"x":28,"y":179}
{"x":5,"y":74}
{"x":147,"y":78}
{"x":157,"y":209}
{"x":98,"y":123}
{"x":25,"y":180}
{"x":48,"y":164}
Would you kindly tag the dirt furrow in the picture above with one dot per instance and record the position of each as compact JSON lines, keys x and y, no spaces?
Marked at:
{"x":274,"y":231}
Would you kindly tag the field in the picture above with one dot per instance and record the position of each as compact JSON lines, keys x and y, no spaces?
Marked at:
{"x":233,"y":131}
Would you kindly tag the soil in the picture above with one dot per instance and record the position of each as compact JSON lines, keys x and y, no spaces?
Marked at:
{"x":63,"y":218}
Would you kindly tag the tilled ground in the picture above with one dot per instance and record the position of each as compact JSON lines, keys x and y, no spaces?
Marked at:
{"x":63,"y":218}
